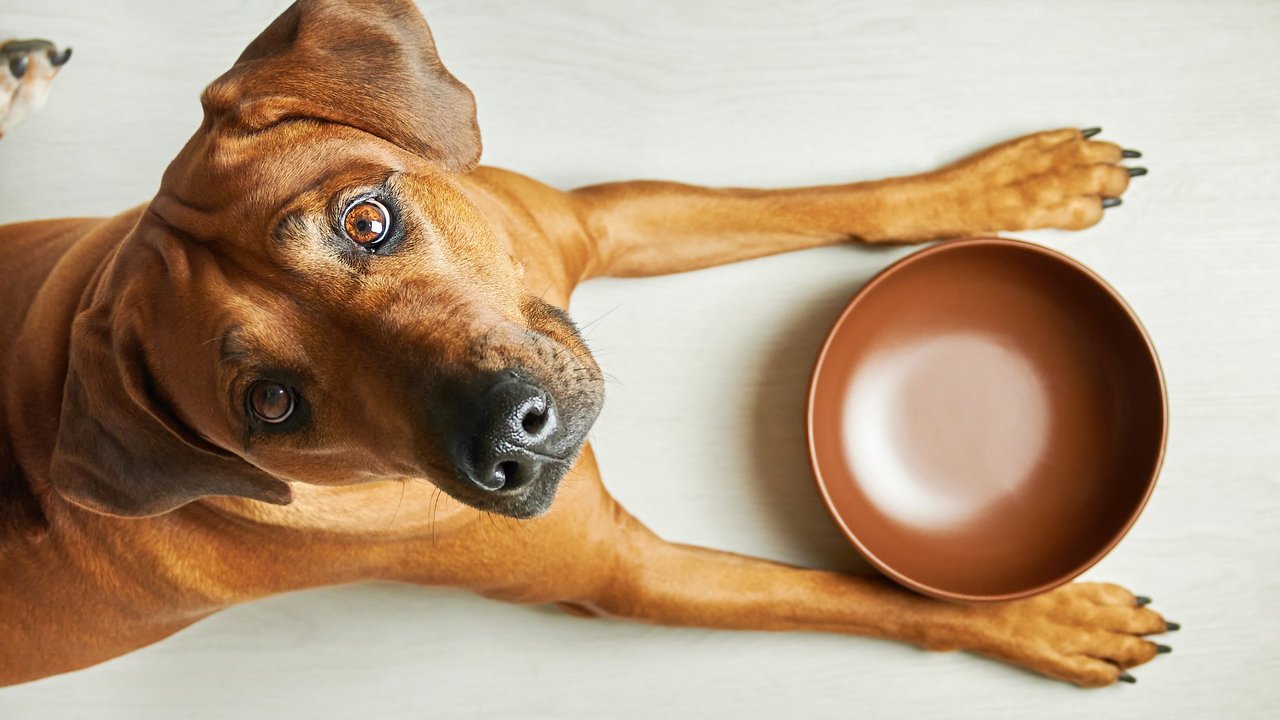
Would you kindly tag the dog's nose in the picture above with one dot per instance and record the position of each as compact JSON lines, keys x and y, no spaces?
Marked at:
{"x":511,"y":424}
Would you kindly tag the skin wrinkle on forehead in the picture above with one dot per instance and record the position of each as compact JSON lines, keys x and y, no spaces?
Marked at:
{"x":212,"y":167}
{"x":264,"y":335}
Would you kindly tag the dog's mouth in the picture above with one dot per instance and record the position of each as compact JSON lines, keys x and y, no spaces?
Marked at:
{"x":526,"y":499}
{"x":521,"y":485}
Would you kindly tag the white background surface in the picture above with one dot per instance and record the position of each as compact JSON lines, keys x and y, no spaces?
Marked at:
{"x":702,"y":436}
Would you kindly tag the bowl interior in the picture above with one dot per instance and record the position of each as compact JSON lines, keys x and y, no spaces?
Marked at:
{"x":986,"y":420}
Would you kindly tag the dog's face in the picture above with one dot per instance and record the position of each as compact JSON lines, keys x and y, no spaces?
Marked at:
{"x":29,"y":67}
{"x":312,"y":298}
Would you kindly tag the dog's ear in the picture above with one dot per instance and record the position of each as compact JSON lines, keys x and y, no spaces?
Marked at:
{"x":368,"y":64}
{"x":120,"y":448}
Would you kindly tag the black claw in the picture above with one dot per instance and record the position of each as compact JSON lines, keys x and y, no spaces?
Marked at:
{"x":1130,"y":154}
{"x":1090,"y":132}
{"x":1142,"y":600}
{"x":1126,"y":677}
{"x":1162,"y":649}
{"x":1172,"y":627}
{"x":1135,"y":172}
{"x":59,"y":59}
{"x":1110,"y":202}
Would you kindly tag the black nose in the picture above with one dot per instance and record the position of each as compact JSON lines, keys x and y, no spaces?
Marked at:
{"x":511,"y":424}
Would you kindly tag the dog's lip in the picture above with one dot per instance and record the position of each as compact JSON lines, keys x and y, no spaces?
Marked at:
{"x":501,"y":500}
{"x":561,"y":462}
{"x":534,"y":454}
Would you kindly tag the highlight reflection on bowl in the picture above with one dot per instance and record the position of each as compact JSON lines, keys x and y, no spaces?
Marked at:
{"x":911,"y":409}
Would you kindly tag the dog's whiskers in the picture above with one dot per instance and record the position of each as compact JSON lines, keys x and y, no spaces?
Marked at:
{"x":403,"y":484}
{"x":435,"y":501}
{"x":582,"y":330}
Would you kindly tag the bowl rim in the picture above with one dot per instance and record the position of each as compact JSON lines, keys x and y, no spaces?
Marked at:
{"x":940,"y":249}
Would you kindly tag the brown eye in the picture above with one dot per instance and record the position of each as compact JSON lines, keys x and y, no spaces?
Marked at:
{"x":270,"y":402}
{"x":366,"y":222}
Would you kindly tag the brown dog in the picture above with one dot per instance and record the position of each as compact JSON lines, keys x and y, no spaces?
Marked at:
{"x":328,"y":309}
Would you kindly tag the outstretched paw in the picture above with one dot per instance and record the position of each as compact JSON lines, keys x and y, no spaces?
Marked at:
{"x":1089,"y":634}
{"x":1054,"y":179}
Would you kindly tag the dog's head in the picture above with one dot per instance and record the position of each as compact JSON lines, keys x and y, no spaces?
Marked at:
{"x":312,"y":298}
{"x":29,"y":67}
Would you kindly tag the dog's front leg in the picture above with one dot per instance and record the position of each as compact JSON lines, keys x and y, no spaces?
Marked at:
{"x":1084,"y":633}
{"x":1060,"y":178}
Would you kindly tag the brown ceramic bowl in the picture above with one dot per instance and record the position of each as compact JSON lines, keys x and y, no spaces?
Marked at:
{"x":986,"y":420}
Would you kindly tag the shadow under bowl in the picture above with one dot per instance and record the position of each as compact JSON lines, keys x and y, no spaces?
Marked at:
{"x":986,"y":420}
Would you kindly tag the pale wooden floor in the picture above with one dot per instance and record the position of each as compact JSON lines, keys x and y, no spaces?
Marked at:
{"x":702,"y":436}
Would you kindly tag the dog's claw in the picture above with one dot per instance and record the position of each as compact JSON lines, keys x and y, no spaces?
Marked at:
{"x":1141,"y":600}
{"x":1126,"y":677}
{"x":1172,"y":627}
{"x":59,"y":59}
{"x":1162,"y":649}
{"x":1130,"y":154}
{"x":1110,"y":202}
{"x":1090,"y":132}
{"x":1136,"y":171}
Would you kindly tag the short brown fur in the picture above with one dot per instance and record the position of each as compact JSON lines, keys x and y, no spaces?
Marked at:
{"x":136,"y":502}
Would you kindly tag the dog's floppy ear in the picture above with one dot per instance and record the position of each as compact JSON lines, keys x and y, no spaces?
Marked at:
{"x":120,"y":448}
{"x":368,"y":64}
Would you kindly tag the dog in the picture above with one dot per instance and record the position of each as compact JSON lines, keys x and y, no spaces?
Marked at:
{"x":29,"y":69}
{"x":329,"y":310}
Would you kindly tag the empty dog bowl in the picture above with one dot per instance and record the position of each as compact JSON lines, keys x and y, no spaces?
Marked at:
{"x":986,"y":420}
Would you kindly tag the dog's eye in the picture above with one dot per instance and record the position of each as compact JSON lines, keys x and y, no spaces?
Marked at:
{"x":18,"y":66}
{"x":270,"y":401}
{"x":366,"y":222}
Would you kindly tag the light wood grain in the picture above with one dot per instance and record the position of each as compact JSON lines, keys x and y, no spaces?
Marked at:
{"x":702,"y":436}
